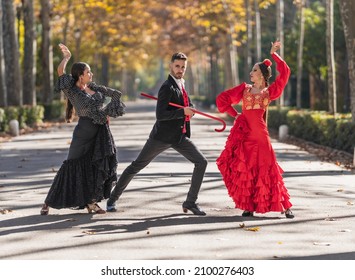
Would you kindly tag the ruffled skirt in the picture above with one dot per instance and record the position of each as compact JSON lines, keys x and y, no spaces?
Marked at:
{"x":88,"y":178}
{"x":250,"y":171}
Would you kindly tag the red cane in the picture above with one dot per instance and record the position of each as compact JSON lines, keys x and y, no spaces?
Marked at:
{"x":194,"y":110}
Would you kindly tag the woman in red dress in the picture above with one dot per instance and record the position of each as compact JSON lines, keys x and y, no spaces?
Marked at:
{"x":248,"y":163}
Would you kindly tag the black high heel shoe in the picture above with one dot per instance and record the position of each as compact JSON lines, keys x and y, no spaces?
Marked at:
{"x":45,"y":210}
{"x":247,"y":214}
{"x":289,"y":214}
{"x":95,"y":209}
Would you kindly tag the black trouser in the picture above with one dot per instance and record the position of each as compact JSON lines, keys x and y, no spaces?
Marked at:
{"x":153,"y":148}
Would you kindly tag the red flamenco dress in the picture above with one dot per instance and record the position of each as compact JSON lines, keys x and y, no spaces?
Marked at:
{"x":248,"y":164}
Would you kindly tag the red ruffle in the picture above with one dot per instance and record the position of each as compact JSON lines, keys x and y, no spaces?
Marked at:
{"x":252,"y":186}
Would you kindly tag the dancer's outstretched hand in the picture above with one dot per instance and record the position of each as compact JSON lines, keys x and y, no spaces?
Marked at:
{"x":275,"y":46}
{"x":66,"y":52}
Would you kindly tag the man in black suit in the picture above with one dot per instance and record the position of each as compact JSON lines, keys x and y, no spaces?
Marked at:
{"x":171,"y":130}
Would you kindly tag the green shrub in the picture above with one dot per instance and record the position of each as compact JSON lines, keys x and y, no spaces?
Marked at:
{"x":316,"y":126}
{"x":35,"y":115}
{"x":22,"y":119}
{"x":326,"y":128}
{"x":25,"y":115}
{"x":55,"y":110}
{"x":344,"y":138}
{"x":12,"y":113}
{"x":296,"y":123}
{"x":276,"y":117}
{"x":30,"y":115}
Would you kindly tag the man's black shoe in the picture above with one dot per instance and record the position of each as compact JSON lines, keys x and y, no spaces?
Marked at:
{"x":193,"y":208}
{"x":111,"y":208}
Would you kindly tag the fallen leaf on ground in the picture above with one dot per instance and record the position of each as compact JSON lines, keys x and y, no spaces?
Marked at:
{"x":345,"y":230}
{"x":89,"y":232}
{"x":321,"y":243}
{"x":242,"y":225}
{"x":5,"y":211}
{"x":350,"y":203}
{"x":340,"y":190}
{"x":330,"y":219}
{"x":253,"y":229}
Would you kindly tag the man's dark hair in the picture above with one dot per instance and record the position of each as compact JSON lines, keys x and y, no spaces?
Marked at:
{"x":179,"y":56}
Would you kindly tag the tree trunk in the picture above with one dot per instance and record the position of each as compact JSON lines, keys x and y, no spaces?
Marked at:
{"x":189,"y":83}
{"x":3,"y":91}
{"x":347,"y":10}
{"x":66,"y":22}
{"x":257,"y":31}
{"x":332,"y":96}
{"x":202,"y":71}
{"x":248,"y":55}
{"x":343,"y":85}
{"x":11,"y":54}
{"x":233,"y":62}
{"x":47,"y":52}
{"x":300,"y":58}
{"x":231,"y":52}
{"x":228,"y":70}
{"x":29,"y":65}
{"x":316,"y":93}
{"x":105,"y":62}
{"x":280,"y":36}
{"x":213,"y":74}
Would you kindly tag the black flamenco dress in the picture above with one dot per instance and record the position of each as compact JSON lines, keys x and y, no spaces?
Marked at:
{"x":88,"y":174}
{"x":248,"y":164}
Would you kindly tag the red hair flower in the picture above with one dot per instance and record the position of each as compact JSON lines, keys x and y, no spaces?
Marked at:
{"x":267,"y":62}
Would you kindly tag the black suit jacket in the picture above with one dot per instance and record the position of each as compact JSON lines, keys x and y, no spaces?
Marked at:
{"x":170,"y":119}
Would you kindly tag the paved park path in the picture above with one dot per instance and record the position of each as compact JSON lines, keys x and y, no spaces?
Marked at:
{"x":150,"y":224}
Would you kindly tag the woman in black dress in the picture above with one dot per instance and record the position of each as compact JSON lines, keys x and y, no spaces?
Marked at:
{"x":88,"y":174}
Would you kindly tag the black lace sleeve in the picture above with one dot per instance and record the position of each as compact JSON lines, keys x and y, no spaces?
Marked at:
{"x":116,"y":107}
{"x":64,"y":82}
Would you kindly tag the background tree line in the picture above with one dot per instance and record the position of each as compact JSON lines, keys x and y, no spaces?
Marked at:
{"x":128,"y":44}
